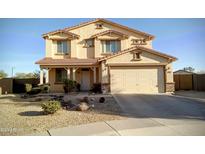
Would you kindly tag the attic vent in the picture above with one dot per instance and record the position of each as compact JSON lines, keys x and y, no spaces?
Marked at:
{"x":139,"y":42}
{"x":99,"y":26}
{"x":136,"y":56}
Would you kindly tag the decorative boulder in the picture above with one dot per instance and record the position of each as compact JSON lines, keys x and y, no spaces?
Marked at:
{"x":101,"y":100}
{"x":83,"y":106}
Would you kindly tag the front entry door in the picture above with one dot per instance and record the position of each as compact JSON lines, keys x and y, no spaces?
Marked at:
{"x":85,"y":80}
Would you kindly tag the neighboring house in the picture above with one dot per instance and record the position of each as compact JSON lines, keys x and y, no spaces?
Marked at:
{"x":101,"y":51}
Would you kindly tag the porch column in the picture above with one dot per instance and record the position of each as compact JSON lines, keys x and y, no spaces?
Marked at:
{"x":74,"y":70}
{"x":94,"y":74}
{"x":41,"y":76}
{"x":68,"y":72}
{"x":99,"y":75}
{"x":47,"y":75}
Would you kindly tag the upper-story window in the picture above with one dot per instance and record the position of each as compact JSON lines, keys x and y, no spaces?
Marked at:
{"x":110,"y":46}
{"x":63,"y":47}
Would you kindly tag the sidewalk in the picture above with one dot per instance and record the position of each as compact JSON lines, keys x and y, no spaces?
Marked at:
{"x":132,"y":127}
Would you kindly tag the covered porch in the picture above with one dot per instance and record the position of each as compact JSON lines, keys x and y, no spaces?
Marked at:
{"x":85,"y":72}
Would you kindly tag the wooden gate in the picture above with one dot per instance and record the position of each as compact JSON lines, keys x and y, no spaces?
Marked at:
{"x":199,"y":82}
{"x":183,"y":81}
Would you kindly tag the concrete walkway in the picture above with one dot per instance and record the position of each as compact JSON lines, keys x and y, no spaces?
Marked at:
{"x":133,"y":127}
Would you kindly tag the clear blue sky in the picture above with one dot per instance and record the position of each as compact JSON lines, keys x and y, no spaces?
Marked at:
{"x":21,"y":43}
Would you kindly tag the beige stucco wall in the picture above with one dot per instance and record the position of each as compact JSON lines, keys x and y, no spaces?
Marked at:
{"x":77,"y":45}
{"x":54,"y":87}
{"x":145,"y":58}
{"x":48,"y":46}
{"x":105,"y":74}
{"x":169,"y":73}
{"x":89,"y":30}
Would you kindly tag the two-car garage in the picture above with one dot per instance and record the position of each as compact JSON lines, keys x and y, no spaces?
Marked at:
{"x":150,"y":72}
{"x":137,"y":79}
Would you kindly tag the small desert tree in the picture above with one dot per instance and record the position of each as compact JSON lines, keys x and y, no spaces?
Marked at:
{"x":189,"y":69}
{"x":24,"y":75}
{"x":36,"y":74}
{"x":3,"y":74}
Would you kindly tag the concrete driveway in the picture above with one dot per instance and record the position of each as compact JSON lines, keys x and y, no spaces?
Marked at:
{"x":161,"y":115}
{"x":153,"y":115}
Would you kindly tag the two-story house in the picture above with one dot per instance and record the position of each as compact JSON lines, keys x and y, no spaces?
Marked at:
{"x":101,"y":51}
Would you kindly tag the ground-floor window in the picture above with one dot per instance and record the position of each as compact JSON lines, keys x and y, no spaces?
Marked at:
{"x":61,"y":74}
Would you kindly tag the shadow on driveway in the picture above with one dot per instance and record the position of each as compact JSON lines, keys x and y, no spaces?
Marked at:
{"x":160,"y":106}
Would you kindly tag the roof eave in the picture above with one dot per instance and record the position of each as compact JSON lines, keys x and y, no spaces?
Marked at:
{"x":149,"y":36}
{"x":60,"y":31}
{"x":170,"y":58}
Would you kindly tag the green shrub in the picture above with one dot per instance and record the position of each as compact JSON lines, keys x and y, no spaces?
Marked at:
{"x":34,"y":91}
{"x":70,"y":85}
{"x":78,"y":86}
{"x":51,"y":107}
{"x":28,"y":87}
{"x":96,"y":88}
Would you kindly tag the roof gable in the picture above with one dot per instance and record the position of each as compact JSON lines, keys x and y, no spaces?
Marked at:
{"x":111,"y":33}
{"x":139,"y":48}
{"x":69,"y":34}
{"x":148,"y":36}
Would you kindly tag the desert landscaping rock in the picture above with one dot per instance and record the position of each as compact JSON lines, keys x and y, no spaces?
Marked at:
{"x":83,"y":106}
{"x":102,"y":100}
{"x":21,"y":116}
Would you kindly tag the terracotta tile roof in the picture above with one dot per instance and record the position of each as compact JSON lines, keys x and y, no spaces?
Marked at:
{"x":139,"y":48}
{"x":60,"y":30}
{"x":68,"y":62}
{"x":109,"y":32}
{"x":108,"y":22}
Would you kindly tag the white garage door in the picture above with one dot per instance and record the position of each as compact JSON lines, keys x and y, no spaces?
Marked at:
{"x":137,"y":80}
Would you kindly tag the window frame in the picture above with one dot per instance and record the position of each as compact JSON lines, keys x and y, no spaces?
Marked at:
{"x":109,"y":43}
{"x":61,"y":45}
{"x":62,"y":78}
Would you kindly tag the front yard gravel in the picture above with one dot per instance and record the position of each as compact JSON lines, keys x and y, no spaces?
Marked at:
{"x":20,"y":116}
